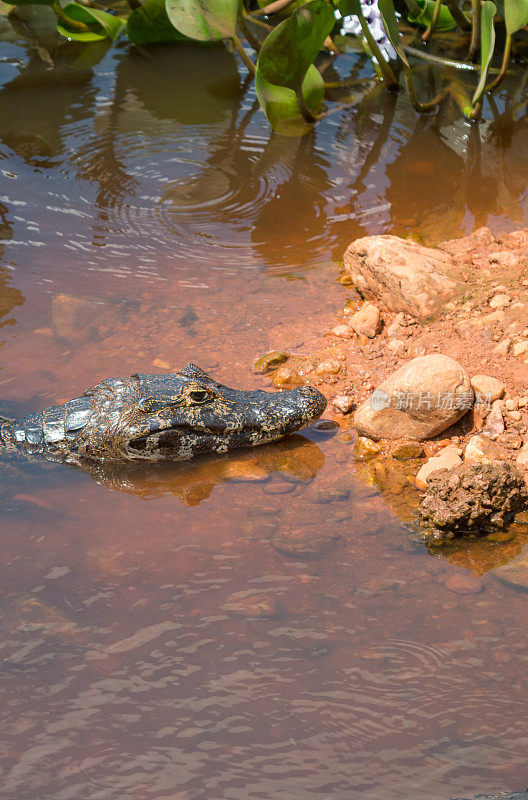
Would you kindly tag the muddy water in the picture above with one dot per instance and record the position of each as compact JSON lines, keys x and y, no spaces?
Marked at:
{"x":186,"y":632}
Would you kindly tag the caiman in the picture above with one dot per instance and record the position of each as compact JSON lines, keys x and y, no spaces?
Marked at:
{"x":174,"y":416}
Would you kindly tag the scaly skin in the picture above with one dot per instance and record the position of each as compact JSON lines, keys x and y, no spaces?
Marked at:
{"x":160,"y":417}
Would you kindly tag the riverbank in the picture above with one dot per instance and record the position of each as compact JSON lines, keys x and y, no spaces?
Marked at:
{"x":482,"y":326}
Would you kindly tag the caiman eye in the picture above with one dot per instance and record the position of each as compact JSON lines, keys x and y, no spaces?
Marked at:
{"x":199,"y":395}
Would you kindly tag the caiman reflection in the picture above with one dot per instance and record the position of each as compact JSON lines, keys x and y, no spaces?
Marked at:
{"x":295,"y":458}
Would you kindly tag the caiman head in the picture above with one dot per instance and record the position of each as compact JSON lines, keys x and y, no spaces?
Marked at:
{"x":175,"y":417}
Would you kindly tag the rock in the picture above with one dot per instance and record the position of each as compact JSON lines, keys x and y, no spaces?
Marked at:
{"x":252,"y":606}
{"x":404,"y":451}
{"x":76,"y":319}
{"x":404,"y":275}
{"x":329,"y":367}
{"x":482,"y":450}
{"x":365,"y":449}
{"x":482,"y":237}
{"x":520,"y":348}
{"x":472,"y":499}
{"x":285,"y":377}
{"x":515,"y":239}
{"x":512,"y":404}
{"x":418,"y":401}
{"x":504,"y":258}
{"x":244,"y":470}
{"x":487,"y":389}
{"x":463,"y":584}
{"x":396,"y":329}
{"x":515,"y":415}
{"x":485,"y":322}
{"x":510,"y":439}
{"x":395,"y":345}
{"x":343,"y":403}
{"x":366,"y":321}
{"x":159,"y":363}
{"x":515,"y":573}
{"x":502,"y":348}
{"x":522,"y":457}
{"x":448,"y":458}
{"x":343,"y":331}
{"x":500,"y":301}
{"x":270,"y":361}
{"x":494,"y":421}
{"x":302,"y":543}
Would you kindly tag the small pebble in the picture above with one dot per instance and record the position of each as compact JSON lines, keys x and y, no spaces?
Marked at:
{"x":343,"y":403}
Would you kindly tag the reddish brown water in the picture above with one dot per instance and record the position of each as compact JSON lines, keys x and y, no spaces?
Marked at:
{"x":180,"y":632}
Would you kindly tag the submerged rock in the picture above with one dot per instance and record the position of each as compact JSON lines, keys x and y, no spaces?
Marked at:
{"x":402,"y":274}
{"x":418,"y":401}
{"x":472,"y":499}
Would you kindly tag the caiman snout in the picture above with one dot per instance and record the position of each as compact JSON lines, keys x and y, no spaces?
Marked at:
{"x":309,"y":402}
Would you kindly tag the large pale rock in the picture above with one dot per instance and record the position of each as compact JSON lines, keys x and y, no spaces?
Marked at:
{"x":418,"y":401}
{"x":403,"y":274}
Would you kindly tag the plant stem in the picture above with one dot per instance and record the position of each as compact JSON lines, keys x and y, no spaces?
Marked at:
{"x":69,"y":22}
{"x":250,"y":36}
{"x":474,"y":46}
{"x":504,"y":67}
{"x":243,"y":55}
{"x":305,"y":111}
{"x":413,"y":7}
{"x":388,"y":74}
{"x":271,"y":8}
{"x":445,"y":62}
{"x":458,"y":15}
{"x":422,"y":108}
{"x":434,"y":21}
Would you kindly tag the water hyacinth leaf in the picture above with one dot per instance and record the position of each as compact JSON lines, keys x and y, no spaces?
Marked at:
{"x":390,"y":23}
{"x":515,"y":15}
{"x":98,"y":24}
{"x":280,"y":103}
{"x":487,"y":44}
{"x":150,"y":24}
{"x":291,"y":47}
{"x":204,"y":20}
{"x":445,"y":20}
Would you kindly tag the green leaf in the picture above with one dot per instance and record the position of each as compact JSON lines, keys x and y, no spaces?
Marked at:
{"x":280,"y":103}
{"x":150,"y":23}
{"x":515,"y":15}
{"x":390,"y":23}
{"x":205,"y":20}
{"x":445,"y":20}
{"x":291,"y":47}
{"x":102,"y":25}
{"x":487,"y":45}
